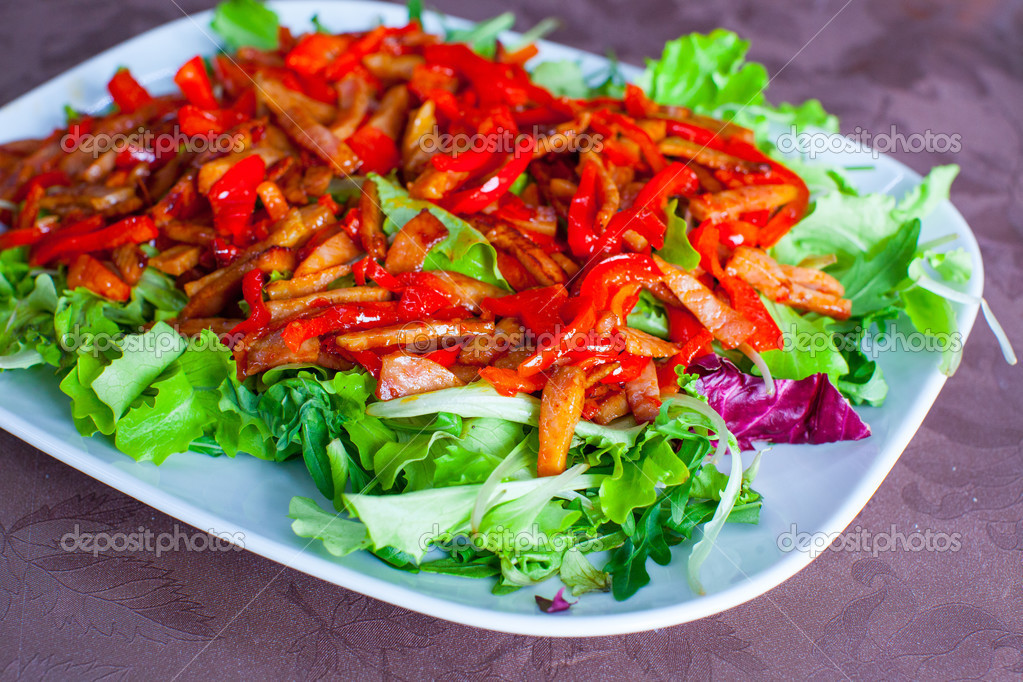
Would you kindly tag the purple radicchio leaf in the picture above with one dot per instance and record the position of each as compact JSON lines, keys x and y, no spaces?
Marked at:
{"x":559,"y":603}
{"x":809,"y":410}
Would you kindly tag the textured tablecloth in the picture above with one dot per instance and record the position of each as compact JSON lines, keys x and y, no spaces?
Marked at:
{"x":949,"y":67}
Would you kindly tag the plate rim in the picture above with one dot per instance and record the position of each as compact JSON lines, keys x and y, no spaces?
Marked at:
{"x":538,"y":624}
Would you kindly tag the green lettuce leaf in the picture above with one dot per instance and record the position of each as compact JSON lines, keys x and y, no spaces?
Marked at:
{"x":246,"y":23}
{"x":464,"y":250}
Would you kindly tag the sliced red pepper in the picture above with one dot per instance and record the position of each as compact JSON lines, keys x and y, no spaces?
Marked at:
{"x":629,"y":367}
{"x":637,"y":103}
{"x":224,"y":252}
{"x":676,"y":178}
{"x":339,"y":319}
{"x":747,"y":302}
{"x":352,"y":222}
{"x":47,"y":179}
{"x":132,"y":230}
{"x":583,"y":315}
{"x":694,"y":133}
{"x":86,"y":271}
{"x":197,"y":122}
{"x":604,"y":280}
{"x":314,"y":52}
{"x":427,"y":79}
{"x":368,"y":269}
{"x":507,"y":382}
{"x":194,"y":83}
{"x":375,"y":148}
{"x":642,"y":220}
{"x":128,"y":95}
{"x":445,"y":356}
{"x":476,"y":199}
{"x":630,"y":130}
{"x":582,"y":214}
{"x":233,"y":197}
{"x":30,"y":209}
{"x":538,"y":308}
{"x":328,"y":202}
{"x":367,"y":359}
{"x":259,"y":314}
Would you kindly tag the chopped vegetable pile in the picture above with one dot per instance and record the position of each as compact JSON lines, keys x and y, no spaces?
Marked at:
{"x":510,"y":317}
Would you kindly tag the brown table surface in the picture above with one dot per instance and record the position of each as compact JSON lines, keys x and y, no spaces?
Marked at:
{"x":922,"y":65}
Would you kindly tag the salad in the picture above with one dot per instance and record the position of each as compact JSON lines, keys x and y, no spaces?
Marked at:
{"x":519,"y":322}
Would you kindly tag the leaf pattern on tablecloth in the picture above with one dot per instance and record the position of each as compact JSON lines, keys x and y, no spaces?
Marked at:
{"x":356,"y":633}
{"x":885,"y":634}
{"x":59,"y":668}
{"x":110,"y":594}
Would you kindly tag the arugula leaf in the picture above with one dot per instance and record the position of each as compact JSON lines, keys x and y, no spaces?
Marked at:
{"x":482,"y":37}
{"x":464,"y":250}
{"x":873,"y":276}
{"x":243,"y":23}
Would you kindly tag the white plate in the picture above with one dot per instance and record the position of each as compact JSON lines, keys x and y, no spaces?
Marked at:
{"x":817,"y":488}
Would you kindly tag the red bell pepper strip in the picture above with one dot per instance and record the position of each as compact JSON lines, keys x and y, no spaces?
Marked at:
{"x":90,"y":224}
{"x":547,"y":354}
{"x":368,"y":269}
{"x":351,"y":223}
{"x":128,"y":95}
{"x":339,"y":319}
{"x":132,"y":230}
{"x":375,"y":148}
{"x":637,"y":103}
{"x":507,"y":382}
{"x":676,"y":178}
{"x":744,"y":298}
{"x":233,"y":197}
{"x":224,"y":252}
{"x":194,"y":83}
{"x":30,"y":209}
{"x":445,"y":356}
{"x":629,"y":367}
{"x":328,"y":202}
{"x":582,"y":214}
{"x":537,"y":308}
{"x":259,"y":314}
{"x":695,"y":133}
{"x":196,"y":122}
{"x":630,"y":130}
{"x":604,"y":280}
{"x":642,"y":220}
{"x":47,"y":179}
{"x":20,"y":237}
{"x":476,"y":199}
{"x":314,"y":52}
{"x":86,"y":271}
{"x":367,"y":359}
{"x":747,"y":302}
{"x":789,"y":214}
{"x":367,"y":44}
